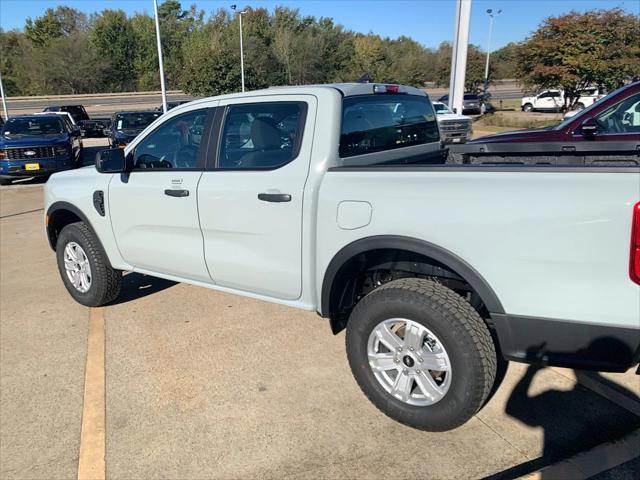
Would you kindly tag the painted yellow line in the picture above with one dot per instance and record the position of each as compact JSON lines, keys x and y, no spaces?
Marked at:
{"x":91,"y":463}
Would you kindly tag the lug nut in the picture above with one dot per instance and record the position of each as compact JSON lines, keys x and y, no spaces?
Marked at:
{"x":418,"y":372}
{"x":420,"y":360}
{"x":411,"y":348}
{"x":399,"y":349}
{"x":405,"y":371}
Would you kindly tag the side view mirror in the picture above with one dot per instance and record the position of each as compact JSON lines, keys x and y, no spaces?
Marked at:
{"x":112,"y":161}
{"x":589,"y":127}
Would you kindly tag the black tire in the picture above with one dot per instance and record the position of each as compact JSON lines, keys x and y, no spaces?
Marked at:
{"x":461,"y":331}
{"x":105,"y":280}
{"x":5,"y":181}
{"x":527,"y":107}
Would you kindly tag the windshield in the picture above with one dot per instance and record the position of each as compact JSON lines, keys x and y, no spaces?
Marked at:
{"x":135,"y":121}
{"x":585,"y":113}
{"x":441,"y":108}
{"x":33,"y":126}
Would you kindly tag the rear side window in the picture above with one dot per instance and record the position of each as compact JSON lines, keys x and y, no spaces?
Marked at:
{"x":376,"y":123}
{"x":261,"y":135}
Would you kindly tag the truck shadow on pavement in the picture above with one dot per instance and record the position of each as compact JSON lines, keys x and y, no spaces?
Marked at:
{"x":136,"y":285}
{"x":572,"y":420}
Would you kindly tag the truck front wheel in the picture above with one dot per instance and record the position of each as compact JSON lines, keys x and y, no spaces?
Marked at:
{"x":527,"y":107}
{"x":85,"y":268}
{"x":421,"y":354}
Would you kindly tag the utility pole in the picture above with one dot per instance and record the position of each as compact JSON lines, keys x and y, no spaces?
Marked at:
{"x":233,"y":7}
{"x":459,"y":55}
{"x":491,"y":14}
{"x":4,"y":101}
{"x":162,"y":86}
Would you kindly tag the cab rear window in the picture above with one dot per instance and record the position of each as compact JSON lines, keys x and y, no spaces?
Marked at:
{"x":376,"y":123}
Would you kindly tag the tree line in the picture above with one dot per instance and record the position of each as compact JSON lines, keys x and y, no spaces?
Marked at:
{"x":65,"y":51}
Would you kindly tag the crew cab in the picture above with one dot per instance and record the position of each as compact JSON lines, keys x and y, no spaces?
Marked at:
{"x":606,"y":133}
{"x":125,"y":126}
{"x":89,"y":128}
{"x":553,"y":100}
{"x":335,"y":199}
{"x":37,"y":145}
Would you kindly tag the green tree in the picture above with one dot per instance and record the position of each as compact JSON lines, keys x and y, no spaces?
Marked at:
{"x":474,"y":78}
{"x":115,"y":39}
{"x":55,"y":23}
{"x":504,"y":61}
{"x":575,"y":50}
{"x":145,"y":55}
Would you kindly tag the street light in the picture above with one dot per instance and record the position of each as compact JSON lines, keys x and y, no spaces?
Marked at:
{"x":162,"y":86}
{"x":491,"y":14}
{"x":233,"y":7}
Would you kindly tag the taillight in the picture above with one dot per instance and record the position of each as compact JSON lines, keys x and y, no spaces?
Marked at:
{"x":386,"y":89}
{"x":634,"y":260}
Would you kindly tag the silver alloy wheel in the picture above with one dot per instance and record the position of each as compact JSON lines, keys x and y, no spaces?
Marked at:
{"x":77,"y":267}
{"x":409,"y":361}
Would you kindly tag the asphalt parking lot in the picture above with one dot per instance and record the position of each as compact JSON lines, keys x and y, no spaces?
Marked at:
{"x":201,"y":384}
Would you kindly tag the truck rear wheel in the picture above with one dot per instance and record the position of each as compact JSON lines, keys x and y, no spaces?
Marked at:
{"x":421,"y":354}
{"x":527,"y":107}
{"x":85,"y":268}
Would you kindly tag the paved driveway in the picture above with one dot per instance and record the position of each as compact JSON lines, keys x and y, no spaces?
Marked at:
{"x":201,"y":384}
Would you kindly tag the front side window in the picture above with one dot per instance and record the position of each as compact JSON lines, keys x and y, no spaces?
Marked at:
{"x":375,"y":123}
{"x":622,"y":117}
{"x":261,"y":135}
{"x":174,"y":144}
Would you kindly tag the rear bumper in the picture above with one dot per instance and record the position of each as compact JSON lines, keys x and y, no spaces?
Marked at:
{"x":571,"y":344}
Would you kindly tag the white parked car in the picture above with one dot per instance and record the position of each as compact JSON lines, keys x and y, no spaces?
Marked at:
{"x":454,"y":128}
{"x":335,"y":199}
{"x":553,"y":100}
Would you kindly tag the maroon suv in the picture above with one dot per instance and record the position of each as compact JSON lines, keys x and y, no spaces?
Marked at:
{"x":605,"y":133}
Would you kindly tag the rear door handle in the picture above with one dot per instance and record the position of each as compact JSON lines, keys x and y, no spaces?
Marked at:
{"x":172,"y":192}
{"x":274,"y":197}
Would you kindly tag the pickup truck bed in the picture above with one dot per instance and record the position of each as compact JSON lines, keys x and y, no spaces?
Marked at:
{"x":324,"y":198}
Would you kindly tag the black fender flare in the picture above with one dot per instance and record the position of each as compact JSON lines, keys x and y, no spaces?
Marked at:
{"x":414,"y":245}
{"x":61,"y":205}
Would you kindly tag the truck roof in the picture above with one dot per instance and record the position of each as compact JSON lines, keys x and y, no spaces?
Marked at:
{"x":350,"y":89}
{"x":345,"y":89}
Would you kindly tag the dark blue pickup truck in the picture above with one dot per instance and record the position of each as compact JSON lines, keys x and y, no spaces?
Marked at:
{"x":32,"y":145}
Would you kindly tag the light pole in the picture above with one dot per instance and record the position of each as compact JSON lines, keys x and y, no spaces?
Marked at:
{"x":459,"y":55}
{"x":4,"y":101}
{"x":491,"y":14}
{"x":233,"y":7}
{"x":162,"y":87}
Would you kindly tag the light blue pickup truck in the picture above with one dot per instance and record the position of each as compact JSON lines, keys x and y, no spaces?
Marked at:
{"x":337,"y":199}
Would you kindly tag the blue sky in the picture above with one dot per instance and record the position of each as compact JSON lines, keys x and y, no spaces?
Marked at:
{"x":427,"y":21}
